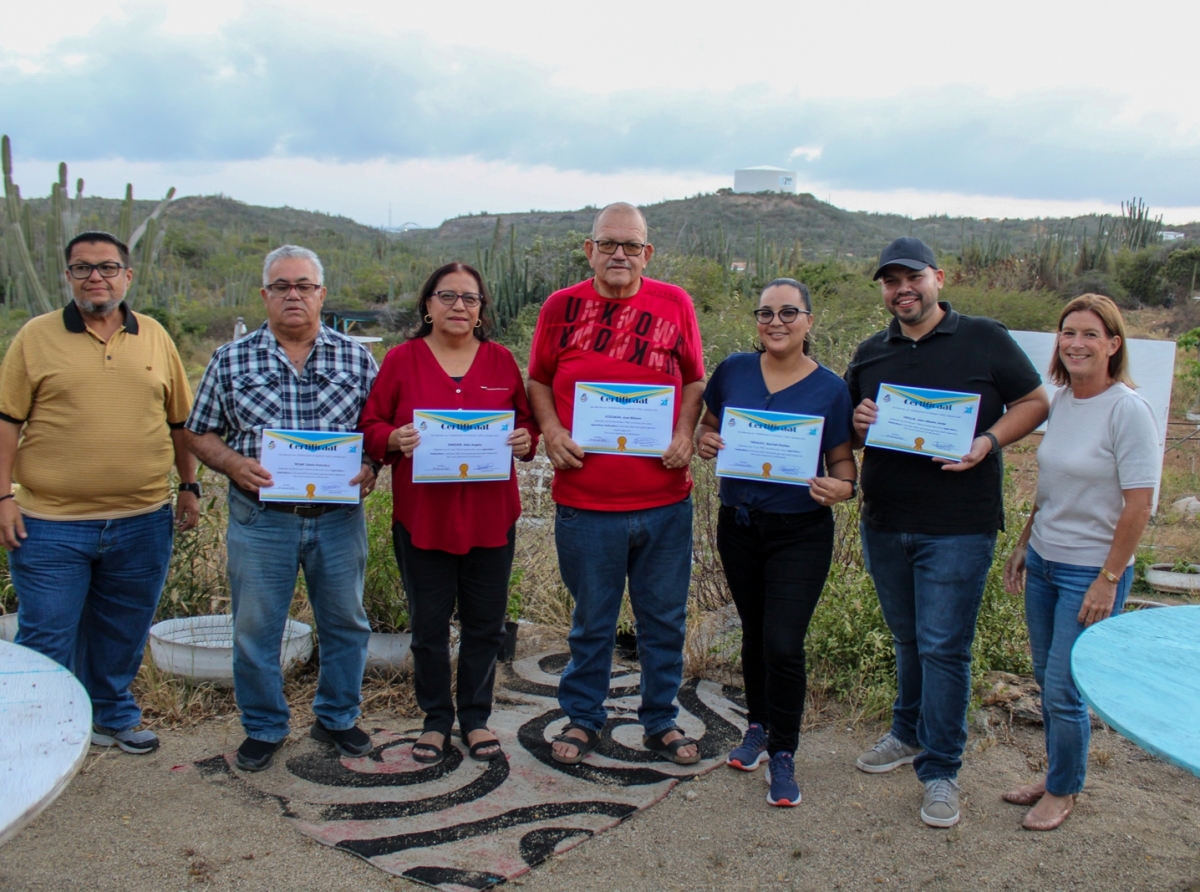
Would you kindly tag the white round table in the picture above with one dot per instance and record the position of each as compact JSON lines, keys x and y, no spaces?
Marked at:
{"x":45,"y":730}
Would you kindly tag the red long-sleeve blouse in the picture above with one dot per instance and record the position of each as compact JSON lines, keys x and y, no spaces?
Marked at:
{"x":452,"y":517}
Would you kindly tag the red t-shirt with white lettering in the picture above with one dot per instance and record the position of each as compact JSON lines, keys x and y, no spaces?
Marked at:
{"x":650,"y":338}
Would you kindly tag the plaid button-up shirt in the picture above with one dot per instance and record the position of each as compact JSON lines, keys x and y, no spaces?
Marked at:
{"x":251,"y":384}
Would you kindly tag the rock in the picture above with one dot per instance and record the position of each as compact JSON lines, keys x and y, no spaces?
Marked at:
{"x":1188,"y":505}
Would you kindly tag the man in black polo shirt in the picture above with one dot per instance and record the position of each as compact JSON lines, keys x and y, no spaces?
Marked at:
{"x":929,"y":525}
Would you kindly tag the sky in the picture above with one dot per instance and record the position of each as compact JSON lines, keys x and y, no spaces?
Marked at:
{"x":417,"y":112}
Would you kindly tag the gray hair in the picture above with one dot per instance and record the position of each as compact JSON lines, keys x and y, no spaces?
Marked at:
{"x":622,"y":207}
{"x":284,"y":252}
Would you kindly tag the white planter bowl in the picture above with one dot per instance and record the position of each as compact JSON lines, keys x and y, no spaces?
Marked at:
{"x":200,"y":648}
{"x":387,"y":651}
{"x":1162,"y":578}
{"x":8,"y":627}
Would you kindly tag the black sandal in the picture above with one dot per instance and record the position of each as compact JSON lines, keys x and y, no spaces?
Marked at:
{"x":583,"y":747}
{"x":429,"y":754}
{"x":670,"y":751}
{"x":478,"y":756}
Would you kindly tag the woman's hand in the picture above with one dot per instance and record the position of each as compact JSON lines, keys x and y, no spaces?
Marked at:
{"x":1014,"y":570}
{"x":1098,"y":602}
{"x":404,"y":439}
{"x":520,"y":441}
{"x":709,"y":444}
{"x":829,"y":490}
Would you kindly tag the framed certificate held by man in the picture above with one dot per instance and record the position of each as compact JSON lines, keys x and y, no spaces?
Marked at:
{"x":624,"y":419}
{"x":311,"y":466}
{"x":936,"y":423}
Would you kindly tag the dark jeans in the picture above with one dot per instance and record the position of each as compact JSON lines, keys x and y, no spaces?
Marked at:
{"x":776,"y":568}
{"x":435,"y":582}
{"x":930,"y":589}
{"x":87,"y":591}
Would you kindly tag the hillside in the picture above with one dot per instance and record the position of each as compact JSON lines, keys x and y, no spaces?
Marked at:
{"x":706,"y":223}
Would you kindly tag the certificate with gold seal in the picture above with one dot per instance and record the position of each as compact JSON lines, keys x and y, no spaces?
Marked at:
{"x":311,"y":466}
{"x":771,"y":447}
{"x":624,"y":419}
{"x":462,"y":445}
{"x":936,"y":423}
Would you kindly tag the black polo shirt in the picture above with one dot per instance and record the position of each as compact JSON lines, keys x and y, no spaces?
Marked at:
{"x":908,"y":493}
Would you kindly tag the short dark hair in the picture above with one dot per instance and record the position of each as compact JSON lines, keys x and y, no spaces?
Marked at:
{"x":98,"y":235}
{"x":482,"y":331}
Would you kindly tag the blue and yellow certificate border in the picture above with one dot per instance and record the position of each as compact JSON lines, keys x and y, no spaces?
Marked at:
{"x":314,"y":440}
{"x":923,"y":398}
{"x":466,"y":420}
{"x":624,"y":392}
{"x":772,"y":421}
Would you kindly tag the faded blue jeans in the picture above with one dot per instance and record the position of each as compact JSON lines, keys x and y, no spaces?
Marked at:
{"x":87,"y":591}
{"x":1053,"y":597}
{"x":266,"y":550}
{"x":597,"y":550}
{"x":930,"y":589}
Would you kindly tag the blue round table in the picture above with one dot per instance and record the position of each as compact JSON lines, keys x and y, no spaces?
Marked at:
{"x":1140,"y":672}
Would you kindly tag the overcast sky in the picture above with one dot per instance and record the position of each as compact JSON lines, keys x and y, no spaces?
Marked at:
{"x":437,"y":109}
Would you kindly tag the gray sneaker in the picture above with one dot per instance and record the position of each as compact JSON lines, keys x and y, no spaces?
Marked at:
{"x":137,"y":742}
{"x":940,"y":807}
{"x":887,"y":753}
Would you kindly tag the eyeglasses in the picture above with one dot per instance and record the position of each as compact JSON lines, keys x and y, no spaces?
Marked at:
{"x":607,"y":246}
{"x":283,"y":289}
{"x":764,"y":315}
{"x":108,"y":269}
{"x":450,"y":298}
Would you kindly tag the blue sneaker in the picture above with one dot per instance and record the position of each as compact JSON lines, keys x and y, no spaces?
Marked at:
{"x":752,"y":751}
{"x":781,"y":775}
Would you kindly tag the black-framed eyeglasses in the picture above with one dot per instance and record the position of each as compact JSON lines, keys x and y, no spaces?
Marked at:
{"x":608,"y":246}
{"x":283,"y":289}
{"x":450,"y":298}
{"x":764,"y":315}
{"x":109,"y":269}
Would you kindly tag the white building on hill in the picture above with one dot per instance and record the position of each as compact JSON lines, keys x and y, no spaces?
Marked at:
{"x":764,"y":178}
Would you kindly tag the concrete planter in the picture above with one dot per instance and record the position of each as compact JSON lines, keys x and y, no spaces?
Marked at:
{"x":200,"y":648}
{"x":1162,"y":578}
{"x":387,"y":651}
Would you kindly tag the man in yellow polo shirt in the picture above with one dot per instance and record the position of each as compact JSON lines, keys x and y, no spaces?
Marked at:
{"x":92,"y":405}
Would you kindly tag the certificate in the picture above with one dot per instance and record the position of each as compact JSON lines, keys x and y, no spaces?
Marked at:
{"x":624,"y":419}
{"x":462,"y":445}
{"x":771,"y":447}
{"x":937,"y":423}
{"x":311,"y":466}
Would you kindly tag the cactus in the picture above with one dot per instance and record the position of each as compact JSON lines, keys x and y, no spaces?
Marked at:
{"x":45,"y":289}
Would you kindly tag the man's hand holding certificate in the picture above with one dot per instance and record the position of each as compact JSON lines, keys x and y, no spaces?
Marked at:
{"x":936,"y":423}
{"x":311,"y":466}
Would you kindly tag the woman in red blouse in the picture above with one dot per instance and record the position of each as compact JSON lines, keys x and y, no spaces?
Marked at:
{"x":453,"y":541}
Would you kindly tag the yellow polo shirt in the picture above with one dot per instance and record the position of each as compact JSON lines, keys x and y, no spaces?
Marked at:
{"x":96,"y":442}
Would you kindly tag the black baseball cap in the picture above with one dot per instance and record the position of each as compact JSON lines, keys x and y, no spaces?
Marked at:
{"x":907,"y":251}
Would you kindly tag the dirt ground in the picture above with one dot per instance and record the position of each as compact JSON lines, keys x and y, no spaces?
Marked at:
{"x":151,"y":823}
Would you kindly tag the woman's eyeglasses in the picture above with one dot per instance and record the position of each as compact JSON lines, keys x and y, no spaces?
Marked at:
{"x":450,"y":298}
{"x":764,"y":315}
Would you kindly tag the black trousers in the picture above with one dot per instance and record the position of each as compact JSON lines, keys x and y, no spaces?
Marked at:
{"x":776,"y":567}
{"x":437,"y":581}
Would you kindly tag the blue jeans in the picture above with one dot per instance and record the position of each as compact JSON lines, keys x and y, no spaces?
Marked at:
{"x":1053,"y":597}
{"x":266,"y":550}
{"x":930,"y":588}
{"x":87,"y":591}
{"x":596,"y":551}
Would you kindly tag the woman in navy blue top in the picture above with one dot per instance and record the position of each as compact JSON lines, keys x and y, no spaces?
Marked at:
{"x":776,"y":539}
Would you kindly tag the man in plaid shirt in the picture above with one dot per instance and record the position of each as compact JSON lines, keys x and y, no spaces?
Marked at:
{"x":293,"y":373}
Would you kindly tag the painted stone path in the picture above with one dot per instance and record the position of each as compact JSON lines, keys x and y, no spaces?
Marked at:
{"x":466,"y":825}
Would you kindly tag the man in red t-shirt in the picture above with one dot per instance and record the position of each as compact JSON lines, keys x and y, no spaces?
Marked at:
{"x":619,"y":515}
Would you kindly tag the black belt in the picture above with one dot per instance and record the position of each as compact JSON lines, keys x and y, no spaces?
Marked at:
{"x":300,"y":509}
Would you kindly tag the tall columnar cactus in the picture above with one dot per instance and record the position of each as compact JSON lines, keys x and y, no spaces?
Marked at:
{"x":43,"y":290}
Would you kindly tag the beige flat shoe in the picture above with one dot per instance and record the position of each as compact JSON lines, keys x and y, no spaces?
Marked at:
{"x":1026,"y":795}
{"x":1031,"y":823}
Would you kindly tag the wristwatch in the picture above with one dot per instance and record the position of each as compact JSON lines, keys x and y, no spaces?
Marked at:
{"x":853,"y":486}
{"x":995,"y":443}
{"x":193,"y":488}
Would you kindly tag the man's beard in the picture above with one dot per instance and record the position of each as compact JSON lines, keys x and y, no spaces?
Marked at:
{"x":97,"y":308}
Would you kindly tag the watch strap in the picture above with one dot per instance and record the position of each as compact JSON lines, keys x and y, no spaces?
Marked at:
{"x":995,"y":442}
